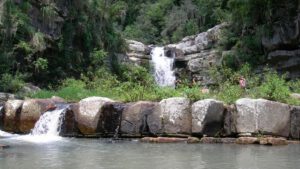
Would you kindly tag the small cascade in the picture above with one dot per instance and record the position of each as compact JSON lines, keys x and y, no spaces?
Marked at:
{"x":49,"y":123}
{"x":163,"y":67}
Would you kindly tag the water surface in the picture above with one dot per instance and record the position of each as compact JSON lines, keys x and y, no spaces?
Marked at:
{"x":104,"y":154}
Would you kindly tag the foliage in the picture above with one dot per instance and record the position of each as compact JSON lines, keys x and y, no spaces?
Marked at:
{"x":274,"y":87}
{"x":11,"y":83}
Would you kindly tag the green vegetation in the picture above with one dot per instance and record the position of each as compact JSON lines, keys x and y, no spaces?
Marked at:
{"x":69,"y":47}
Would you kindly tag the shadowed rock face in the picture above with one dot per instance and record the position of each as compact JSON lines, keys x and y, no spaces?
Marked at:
{"x":69,"y":126}
{"x":110,"y":119}
{"x":1,"y":115}
{"x":140,"y":119}
{"x":295,"y":122}
{"x":207,"y":117}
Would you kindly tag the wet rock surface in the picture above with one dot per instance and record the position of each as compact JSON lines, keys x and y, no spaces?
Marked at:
{"x":139,"y":118}
{"x":295,"y":122}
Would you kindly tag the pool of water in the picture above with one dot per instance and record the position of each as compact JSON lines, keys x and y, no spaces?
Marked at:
{"x":72,"y":153}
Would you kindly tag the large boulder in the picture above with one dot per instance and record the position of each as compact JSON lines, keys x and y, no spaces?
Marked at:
{"x":88,"y":113}
{"x":295,"y":122}
{"x":175,"y":114}
{"x":12,"y":110}
{"x":139,"y":118}
{"x":32,"y":109}
{"x":262,"y":116}
{"x":110,"y":119}
{"x":207,"y":117}
{"x":197,"y":43}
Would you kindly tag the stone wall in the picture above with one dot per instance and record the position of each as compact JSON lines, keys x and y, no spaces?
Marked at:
{"x":103,"y":117}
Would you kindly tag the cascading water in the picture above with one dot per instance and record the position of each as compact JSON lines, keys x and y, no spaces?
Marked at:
{"x":47,"y":128}
{"x":163,"y":67}
{"x":49,"y":123}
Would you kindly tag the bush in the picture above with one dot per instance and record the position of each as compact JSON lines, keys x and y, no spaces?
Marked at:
{"x":274,"y":87}
{"x":229,"y":93}
{"x":11,"y":83}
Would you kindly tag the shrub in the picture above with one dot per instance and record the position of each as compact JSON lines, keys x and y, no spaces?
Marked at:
{"x":229,"y":93}
{"x":11,"y":83}
{"x":274,"y":87}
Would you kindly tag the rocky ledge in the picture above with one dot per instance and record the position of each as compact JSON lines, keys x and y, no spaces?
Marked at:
{"x":256,"y":121}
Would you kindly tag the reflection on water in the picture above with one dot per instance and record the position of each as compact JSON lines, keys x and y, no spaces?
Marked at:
{"x":95,"y":153}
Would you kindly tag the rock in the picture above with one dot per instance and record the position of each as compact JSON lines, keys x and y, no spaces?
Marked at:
{"x":88,"y":113}
{"x":192,"y":140}
{"x":136,"y":46}
{"x":229,"y":121}
{"x":110,"y":119}
{"x":264,"y":116}
{"x":29,"y":88}
{"x":295,"y":96}
{"x":273,"y":141}
{"x":58,"y":99}
{"x":69,"y":126}
{"x":214,"y":140}
{"x":247,"y":140}
{"x":204,"y":62}
{"x":202,"y":41}
{"x":6,"y":96}
{"x":295,"y":122}
{"x":163,"y":139}
{"x":175,"y":115}
{"x":139,"y":118}
{"x":286,"y":61}
{"x":207,"y":117}
{"x":12,"y":115}
{"x":32,"y":109}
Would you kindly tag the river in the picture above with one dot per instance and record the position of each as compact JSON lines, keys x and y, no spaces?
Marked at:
{"x":73,"y":153}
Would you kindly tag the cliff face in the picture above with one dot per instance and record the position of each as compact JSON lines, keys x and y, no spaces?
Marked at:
{"x":283,"y":47}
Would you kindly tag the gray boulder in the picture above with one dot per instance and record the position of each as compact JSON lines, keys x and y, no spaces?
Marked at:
{"x":139,"y":118}
{"x":259,"y":115}
{"x":88,"y":113}
{"x":207,"y":117}
{"x":175,"y":114}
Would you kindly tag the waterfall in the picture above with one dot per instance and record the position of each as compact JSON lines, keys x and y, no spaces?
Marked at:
{"x":163,"y":67}
{"x":49,"y":123}
{"x":47,"y":128}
